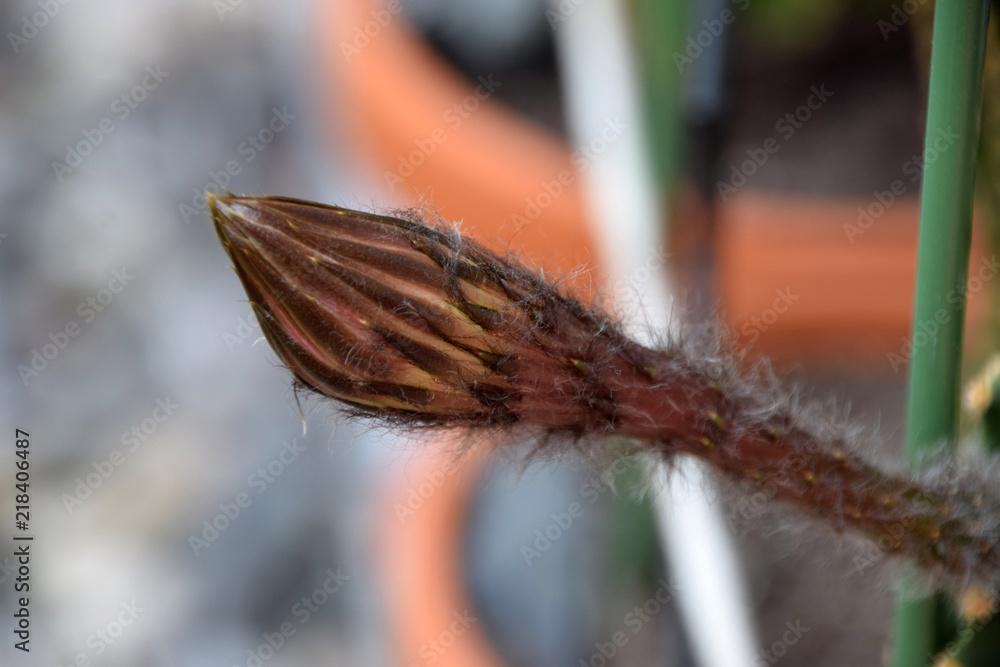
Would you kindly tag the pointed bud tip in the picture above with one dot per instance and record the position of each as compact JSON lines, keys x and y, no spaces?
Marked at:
{"x":233,"y":216}
{"x":221,"y":208}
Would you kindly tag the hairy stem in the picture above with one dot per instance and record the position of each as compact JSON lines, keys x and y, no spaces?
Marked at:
{"x":954,"y":535}
{"x":417,"y":326}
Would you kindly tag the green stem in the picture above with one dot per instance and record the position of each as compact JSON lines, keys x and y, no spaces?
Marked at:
{"x":661,"y":26}
{"x":953,"y":108}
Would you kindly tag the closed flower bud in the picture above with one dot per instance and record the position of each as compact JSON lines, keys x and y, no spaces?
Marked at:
{"x":403,"y":319}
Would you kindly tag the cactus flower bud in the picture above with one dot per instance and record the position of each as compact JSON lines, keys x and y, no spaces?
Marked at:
{"x":403,"y":319}
{"x":414,"y":323}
